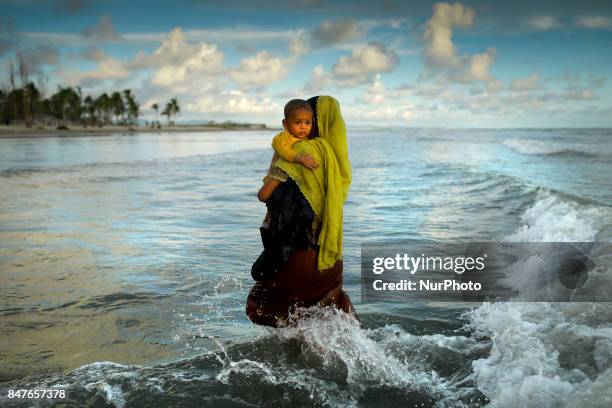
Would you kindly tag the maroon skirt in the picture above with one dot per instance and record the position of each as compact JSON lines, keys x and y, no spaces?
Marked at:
{"x":298,"y":284}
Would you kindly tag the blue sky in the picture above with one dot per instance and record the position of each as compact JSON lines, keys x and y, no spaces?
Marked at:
{"x":390,"y":63}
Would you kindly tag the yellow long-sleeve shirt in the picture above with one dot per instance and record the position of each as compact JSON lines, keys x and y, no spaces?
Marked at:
{"x":283,"y":146}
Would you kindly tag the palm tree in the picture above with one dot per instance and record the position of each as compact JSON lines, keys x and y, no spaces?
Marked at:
{"x":155,"y":107}
{"x":172,"y":109}
{"x":168,"y":112}
{"x":133,"y":109}
{"x":4,"y":111}
{"x":118,"y":107}
{"x":103,"y":105}
{"x":176,"y":109}
{"x":66,"y":104}
{"x":90,"y":108}
{"x":32,"y":100}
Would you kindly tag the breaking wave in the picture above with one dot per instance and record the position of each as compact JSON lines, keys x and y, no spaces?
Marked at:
{"x":548,"y":354}
{"x":533,"y":147}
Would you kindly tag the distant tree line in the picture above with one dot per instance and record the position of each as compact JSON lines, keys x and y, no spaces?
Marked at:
{"x":67,"y":106}
{"x":28,"y":105}
{"x":171,"y":109}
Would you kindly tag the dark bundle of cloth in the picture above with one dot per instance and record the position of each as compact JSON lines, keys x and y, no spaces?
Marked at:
{"x":289,"y":229}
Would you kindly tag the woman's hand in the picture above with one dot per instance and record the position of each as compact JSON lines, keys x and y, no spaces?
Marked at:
{"x":268,"y":188}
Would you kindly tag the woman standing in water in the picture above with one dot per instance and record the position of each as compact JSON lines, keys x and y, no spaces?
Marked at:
{"x":301,"y":265}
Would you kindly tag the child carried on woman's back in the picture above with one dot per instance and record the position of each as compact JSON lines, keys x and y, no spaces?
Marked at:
{"x":297,"y":125}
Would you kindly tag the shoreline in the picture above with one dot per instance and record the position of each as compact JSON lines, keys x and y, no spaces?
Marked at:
{"x":21,"y":131}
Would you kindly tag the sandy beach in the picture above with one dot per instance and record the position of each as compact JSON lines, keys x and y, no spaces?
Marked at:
{"x":12,"y":131}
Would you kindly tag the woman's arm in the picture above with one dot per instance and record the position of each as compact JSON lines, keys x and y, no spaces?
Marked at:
{"x":268,"y":188}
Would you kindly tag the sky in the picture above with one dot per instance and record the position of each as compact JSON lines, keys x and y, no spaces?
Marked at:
{"x":390,"y":63}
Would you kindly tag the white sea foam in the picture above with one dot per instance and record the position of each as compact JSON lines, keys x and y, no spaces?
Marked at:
{"x":552,"y":219}
{"x":114,"y":395}
{"x":335,"y":343}
{"x":548,"y":354}
{"x":338,"y":338}
{"x":541,"y":355}
{"x":104,"y":378}
{"x":539,"y":147}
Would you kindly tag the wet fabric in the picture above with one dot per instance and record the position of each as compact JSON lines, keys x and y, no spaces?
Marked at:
{"x":309,"y":277}
{"x":325,"y":187}
{"x":298,"y":283}
{"x":332,"y":129}
{"x":322,"y":188}
{"x":289,"y":228}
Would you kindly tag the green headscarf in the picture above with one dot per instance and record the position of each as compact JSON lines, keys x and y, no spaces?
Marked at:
{"x":326,"y":187}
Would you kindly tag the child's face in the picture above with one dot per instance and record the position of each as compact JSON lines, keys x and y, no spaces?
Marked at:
{"x":299,"y":123}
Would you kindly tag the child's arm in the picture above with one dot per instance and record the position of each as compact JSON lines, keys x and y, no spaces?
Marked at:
{"x":308,"y":161}
{"x":268,"y":188}
{"x":283,"y":148}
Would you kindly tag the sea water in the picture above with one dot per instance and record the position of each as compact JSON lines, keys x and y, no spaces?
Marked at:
{"x":125,"y":264}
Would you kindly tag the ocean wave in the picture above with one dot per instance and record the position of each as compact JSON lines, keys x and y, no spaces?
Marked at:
{"x":147,"y":166}
{"x":533,"y":147}
{"x":544,"y":355}
{"x":548,"y":354}
{"x":553,"y":218}
{"x":327,"y":359}
{"x":387,"y":358}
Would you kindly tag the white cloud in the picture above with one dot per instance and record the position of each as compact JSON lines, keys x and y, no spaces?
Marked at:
{"x":442,"y":60}
{"x":319,"y":81}
{"x":374,"y":94}
{"x":334,"y":32}
{"x":393,"y":112}
{"x":377,"y":103}
{"x":440,"y":49}
{"x":299,"y":44}
{"x":93,"y":54}
{"x":543,"y":23}
{"x":108,"y":68}
{"x":178,"y":64}
{"x":232,"y":35}
{"x":579,"y":95}
{"x":261,"y":70}
{"x":526,"y":84}
{"x":395,"y":23}
{"x":196,"y":72}
{"x":175,"y":50}
{"x":494,"y":86}
{"x":579,"y":81}
{"x":518,"y":103}
{"x":593,"y":22}
{"x":479,"y":65}
{"x":233,"y":102}
{"x":205,"y":61}
{"x":226,"y":36}
{"x":364,"y":63}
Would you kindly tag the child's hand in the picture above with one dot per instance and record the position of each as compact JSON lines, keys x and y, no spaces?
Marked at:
{"x":309,"y":162}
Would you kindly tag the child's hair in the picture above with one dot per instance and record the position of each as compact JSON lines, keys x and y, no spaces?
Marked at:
{"x":296,"y":104}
